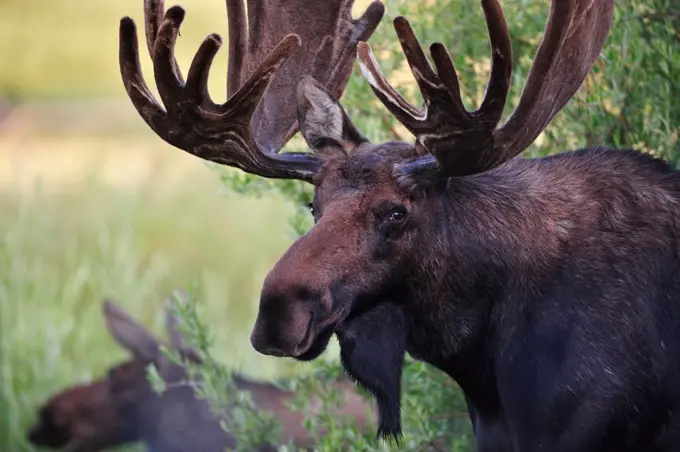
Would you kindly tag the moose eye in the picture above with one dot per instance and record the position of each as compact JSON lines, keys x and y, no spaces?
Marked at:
{"x":310,"y":206}
{"x":398,"y":215}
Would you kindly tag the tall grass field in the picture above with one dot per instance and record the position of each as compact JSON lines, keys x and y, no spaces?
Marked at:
{"x":134,"y":222}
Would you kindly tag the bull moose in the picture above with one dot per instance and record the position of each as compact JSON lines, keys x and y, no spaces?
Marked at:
{"x":549,"y":288}
{"x":123,"y":408}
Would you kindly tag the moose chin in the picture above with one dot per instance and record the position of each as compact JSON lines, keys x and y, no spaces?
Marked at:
{"x":548,"y":289}
{"x":372,"y":350}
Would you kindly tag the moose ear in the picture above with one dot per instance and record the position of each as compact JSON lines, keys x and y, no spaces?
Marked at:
{"x":323,"y":122}
{"x":129,"y":333}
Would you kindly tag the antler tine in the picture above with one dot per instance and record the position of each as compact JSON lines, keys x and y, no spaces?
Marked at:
{"x":462,"y":143}
{"x":360,"y":30}
{"x":573,"y":39}
{"x":501,"y":64}
{"x":238,"y":38}
{"x":444,"y":117}
{"x":154,"y":12}
{"x":447,"y":72}
{"x":437,"y":91}
{"x":131,"y":73}
{"x":196,"y":89}
{"x":390,"y":97}
{"x":170,"y":87}
{"x":431,"y":87}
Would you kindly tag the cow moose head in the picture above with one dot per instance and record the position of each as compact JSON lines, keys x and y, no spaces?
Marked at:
{"x":117,"y":409}
{"x":386,"y":215}
{"x":82,"y":418}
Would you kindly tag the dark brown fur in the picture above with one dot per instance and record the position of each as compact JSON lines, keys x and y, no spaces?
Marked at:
{"x":177,"y":419}
{"x":82,"y":418}
{"x":543,"y":286}
{"x":182,"y":422}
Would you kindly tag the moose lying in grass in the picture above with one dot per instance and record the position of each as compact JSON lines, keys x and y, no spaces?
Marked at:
{"x":123,"y":408}
{"x":549,"y":289}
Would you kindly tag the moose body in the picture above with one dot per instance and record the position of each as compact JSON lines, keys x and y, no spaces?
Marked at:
{"x":123,"y":408}
{"x":549,"y":289}
{"x":179,"y":421}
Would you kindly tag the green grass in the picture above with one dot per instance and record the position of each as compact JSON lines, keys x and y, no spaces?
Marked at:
{"x":69,"y":48}
{"x":109,"y":228}
{"x":64,"y":49}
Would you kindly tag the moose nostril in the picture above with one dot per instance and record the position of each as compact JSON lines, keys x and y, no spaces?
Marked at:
{"x":34,"y":435}
{"x":262,"y":347}
{"x":284,"y":316}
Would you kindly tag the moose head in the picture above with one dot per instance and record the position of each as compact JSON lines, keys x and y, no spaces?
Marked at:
{"x":119,"y":408}
{"x":82,"y":418}
{"x":375,"y":206}
{"x":396,"y":223}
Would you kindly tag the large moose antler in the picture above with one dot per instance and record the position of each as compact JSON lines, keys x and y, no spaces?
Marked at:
{"x":281,"y":41}
{"x":462,"y":143}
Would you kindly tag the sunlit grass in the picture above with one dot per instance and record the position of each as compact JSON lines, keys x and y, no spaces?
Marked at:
{"x":87,"y":218}
{"x":65,"y":49}
{"x":69,"y":48}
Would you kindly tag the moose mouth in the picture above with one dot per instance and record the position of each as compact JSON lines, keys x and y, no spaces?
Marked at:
{"x":56,"y":437}
{"x":317,"y":345}
{"x":318,"y":333}
{"x":316,"y":338}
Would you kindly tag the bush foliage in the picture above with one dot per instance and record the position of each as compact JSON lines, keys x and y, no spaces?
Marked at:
{"x":629,"y":100}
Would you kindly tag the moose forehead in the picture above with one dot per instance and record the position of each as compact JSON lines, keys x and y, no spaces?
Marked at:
{"x":366,"y":169}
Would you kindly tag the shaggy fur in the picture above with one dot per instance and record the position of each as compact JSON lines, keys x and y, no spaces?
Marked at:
{"x":372,"y":349}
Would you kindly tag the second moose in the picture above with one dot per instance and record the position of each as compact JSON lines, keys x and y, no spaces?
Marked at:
{"x":123,"y":407}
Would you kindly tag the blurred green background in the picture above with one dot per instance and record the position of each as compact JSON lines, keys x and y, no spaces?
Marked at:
{"x":93,"y":204}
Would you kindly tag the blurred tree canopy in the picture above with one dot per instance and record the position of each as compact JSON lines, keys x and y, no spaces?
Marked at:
{"x":629,"y":100}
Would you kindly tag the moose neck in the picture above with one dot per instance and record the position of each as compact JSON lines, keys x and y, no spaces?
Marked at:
{"x":492,"y":241}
